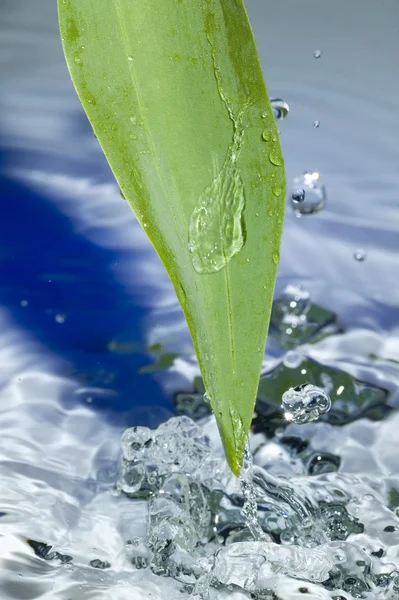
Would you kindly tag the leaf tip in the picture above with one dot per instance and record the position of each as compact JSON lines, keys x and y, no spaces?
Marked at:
{"x":234,"y":441}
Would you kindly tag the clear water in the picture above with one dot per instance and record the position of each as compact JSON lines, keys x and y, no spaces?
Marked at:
{"x":87,"y":318}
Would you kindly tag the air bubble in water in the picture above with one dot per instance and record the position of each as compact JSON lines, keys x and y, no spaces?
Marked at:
{"x":308,"y":193}
{"x":305,"y":403}
{"x":360,"y":255}
{"x":280,"y":108}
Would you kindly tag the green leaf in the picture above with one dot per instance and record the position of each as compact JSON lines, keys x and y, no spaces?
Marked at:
{"x":175,"y":94}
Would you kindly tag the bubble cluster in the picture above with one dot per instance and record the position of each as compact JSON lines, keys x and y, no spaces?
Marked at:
{"x":305,"y":403}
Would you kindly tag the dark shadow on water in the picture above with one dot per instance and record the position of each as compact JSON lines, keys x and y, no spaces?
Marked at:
{"x":60,"y":288}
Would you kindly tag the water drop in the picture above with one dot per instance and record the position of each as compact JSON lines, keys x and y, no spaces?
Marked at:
{"x":266,"y":135}
{"x":308,"y":193}
{"x":130,"y":58}
{"x":277,"y":191}
{"x":317,"y":53}
{"x":275,"y":157}
{"x":78,"y":60}
{"x":60,"y":318}
{"x":316,"y":124}
{"x":280,"y":108}
{"x":216,"y":229}
{"x":360,"y":255}
{"x":24,"y":303}
{"x":276,"y":258}
{"x":305,"y":403}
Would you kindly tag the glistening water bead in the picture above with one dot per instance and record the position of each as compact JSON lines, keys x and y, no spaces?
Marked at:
{"x":308,"y":193}
{"x":360,"y":255}
{"x":298,"y":196}
{"x":280,"y":108}
{"x":305,"y":403}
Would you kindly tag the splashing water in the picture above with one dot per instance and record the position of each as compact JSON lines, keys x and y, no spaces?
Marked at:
{"x":250,"y":507}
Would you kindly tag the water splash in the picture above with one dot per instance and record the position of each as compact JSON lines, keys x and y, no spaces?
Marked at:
{"x":250,"y":507}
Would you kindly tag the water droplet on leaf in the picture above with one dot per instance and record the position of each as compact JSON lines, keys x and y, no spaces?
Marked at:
{"x":266,"y":135}
{"x":275,"y":158}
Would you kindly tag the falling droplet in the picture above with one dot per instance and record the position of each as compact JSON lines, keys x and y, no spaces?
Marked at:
{"x":317,"y":53}
{"x":316,"y":124}
{"x":24,"y":303}
{"x":60,"y":318}
{"x":280,"y":108}
{"x":360,"y":255}
{"x":308,"y":193}
{"x":305,"y":403}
